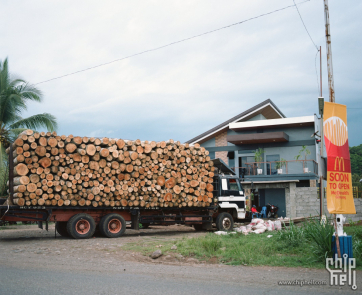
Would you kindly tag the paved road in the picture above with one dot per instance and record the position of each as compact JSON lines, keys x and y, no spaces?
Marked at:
{"x":33,"y":262}
{"x":141,"y":279}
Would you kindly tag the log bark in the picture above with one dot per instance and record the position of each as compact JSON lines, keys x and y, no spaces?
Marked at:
{"x":21,"y":180}
{"x":91,"y":149}
{"x":79,"y":171}
{"x":21,"y":169}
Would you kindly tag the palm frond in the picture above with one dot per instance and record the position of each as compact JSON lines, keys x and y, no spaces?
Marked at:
{"x":4,"y":75}
{"x":11,"y":106}
{"x":35,"y":122}
{"x":29,"y":92}
{"x":14,"y":133}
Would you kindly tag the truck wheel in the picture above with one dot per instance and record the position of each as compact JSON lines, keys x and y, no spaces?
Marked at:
{"x":61,"y":227}
{"x":112,"y":225}
{"x":81,"y":226}
{"x":224,"y":222}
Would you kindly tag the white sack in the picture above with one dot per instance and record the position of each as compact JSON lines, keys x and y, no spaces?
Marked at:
{"x":278,"y":225}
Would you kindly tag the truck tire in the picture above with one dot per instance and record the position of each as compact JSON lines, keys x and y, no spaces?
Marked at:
{"x":112,"y":225}
{"x":61,"y":227}
{"x":81,"y":226}
{"x":224,"y":222}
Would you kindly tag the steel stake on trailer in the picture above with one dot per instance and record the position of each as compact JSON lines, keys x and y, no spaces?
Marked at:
{"x":11,"y":173}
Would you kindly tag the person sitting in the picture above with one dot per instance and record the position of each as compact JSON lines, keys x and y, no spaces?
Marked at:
{"x":254,"y":211}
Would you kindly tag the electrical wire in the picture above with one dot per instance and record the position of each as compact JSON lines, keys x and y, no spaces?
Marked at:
{"x":173,"y":43}
{"x":310,"y":37}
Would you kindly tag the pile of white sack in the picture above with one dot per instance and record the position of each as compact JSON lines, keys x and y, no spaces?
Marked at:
{"x":259,"y":226}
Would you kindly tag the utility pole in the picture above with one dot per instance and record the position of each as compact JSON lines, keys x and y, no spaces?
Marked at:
{"x":331,"y":91}
{"x":329,"y":53}
{"x":321,"y":103}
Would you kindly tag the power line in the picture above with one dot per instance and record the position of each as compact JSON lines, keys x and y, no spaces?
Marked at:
{"x":173,"y":43}
{"x":310,"y":37}
{"x":304,"y":24}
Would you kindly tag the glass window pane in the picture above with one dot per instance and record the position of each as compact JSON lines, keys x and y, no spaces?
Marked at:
{"x":271,"y":167}
{"x":233,"y":185}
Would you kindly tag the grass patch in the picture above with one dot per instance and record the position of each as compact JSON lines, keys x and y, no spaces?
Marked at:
{"x":303,"y":245}
{"x":236,"y":249}
{"x":147,"y":247}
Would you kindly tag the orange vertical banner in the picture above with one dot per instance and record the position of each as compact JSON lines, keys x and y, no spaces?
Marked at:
{"x":339,"y":177}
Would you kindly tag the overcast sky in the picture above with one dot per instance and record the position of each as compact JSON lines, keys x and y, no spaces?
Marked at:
{"x":183,"y":90}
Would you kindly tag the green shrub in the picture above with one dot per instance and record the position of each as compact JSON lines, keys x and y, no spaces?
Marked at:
{"x":212,"y":244}
{"x":319,"y":235}
{"x":293,"y":235}
{"x":357,"y":247}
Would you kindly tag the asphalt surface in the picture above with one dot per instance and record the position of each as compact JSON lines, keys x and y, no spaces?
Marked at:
{"x":33,"y":262}
{"x":25,"y":281}
{"x":139,"y":278}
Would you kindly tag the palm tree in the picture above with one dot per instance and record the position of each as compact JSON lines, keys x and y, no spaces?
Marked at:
{"x":14,"y":95}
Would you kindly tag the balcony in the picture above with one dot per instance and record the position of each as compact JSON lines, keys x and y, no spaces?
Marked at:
{"x":295,"y":169}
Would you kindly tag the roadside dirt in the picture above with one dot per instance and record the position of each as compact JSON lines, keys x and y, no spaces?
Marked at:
{"x":29,"y":240}
{"x":28,"y":247}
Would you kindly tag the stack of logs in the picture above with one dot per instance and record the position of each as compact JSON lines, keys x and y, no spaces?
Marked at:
{"x":51,"y":170}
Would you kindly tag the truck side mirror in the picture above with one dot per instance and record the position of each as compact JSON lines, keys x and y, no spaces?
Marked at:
{"x":224,"y":184}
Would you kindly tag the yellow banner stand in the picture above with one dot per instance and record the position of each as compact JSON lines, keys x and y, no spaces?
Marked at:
{"x":339,"y":178}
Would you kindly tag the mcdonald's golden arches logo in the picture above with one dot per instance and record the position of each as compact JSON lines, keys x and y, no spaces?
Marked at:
{"x":340,"y":162}
{"x":336,"y":131}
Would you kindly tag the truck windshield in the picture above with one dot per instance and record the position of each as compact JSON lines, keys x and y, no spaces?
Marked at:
{"x":234,"y":185}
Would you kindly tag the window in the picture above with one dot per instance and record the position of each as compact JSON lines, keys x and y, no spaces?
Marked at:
{"x":271,"y":167}
{"x":233,"y":185}
{"x":243,"y":161}
{"x":303,"y":183}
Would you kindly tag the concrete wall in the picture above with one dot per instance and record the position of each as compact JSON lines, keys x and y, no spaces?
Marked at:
{"x":307,"y":203}
{"x":358,"y":216}
{"x":209,"y":143}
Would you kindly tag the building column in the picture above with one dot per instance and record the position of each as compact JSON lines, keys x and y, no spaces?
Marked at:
{"x":290,"y":201}
{"x":220,"y":140}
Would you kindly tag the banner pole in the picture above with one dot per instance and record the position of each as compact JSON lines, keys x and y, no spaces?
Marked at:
{"x":336,"y":235}
{"x":329,"y":53}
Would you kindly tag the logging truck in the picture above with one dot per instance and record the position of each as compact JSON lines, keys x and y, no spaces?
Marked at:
{"x":88,"y":184}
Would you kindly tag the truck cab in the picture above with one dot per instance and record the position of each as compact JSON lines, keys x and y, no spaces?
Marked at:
{"x":230,"y":194}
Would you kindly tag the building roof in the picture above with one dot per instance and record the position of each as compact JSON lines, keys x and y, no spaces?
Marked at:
{"x":267,"y":108}
{"x":290,"y":122}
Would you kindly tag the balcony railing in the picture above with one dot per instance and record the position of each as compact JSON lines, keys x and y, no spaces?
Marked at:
{"x":270,"y":168}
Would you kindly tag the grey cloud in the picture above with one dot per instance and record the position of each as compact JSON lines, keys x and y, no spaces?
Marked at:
{"x":185,"y":89}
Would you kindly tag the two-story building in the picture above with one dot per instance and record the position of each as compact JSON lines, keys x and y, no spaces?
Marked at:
{"x":278,"y":154}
